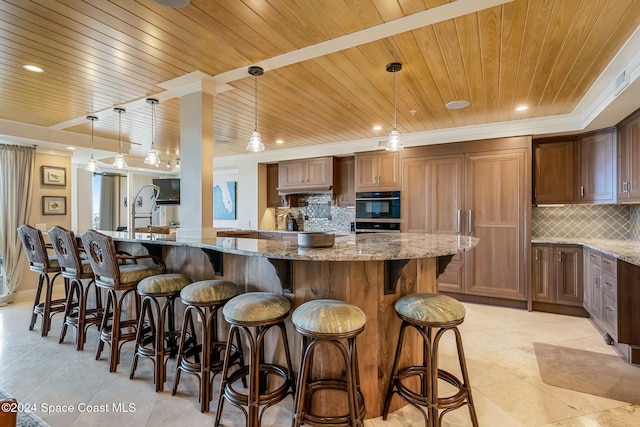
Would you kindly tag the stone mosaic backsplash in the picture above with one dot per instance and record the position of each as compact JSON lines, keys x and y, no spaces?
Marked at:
{"x":317,"y":213}
{"x":585,"y":221}
{"x":634,"y":223}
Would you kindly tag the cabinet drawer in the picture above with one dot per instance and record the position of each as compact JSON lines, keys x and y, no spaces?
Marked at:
{"x":594,"y":257}
{"x":610,"y":314}
{"x":609,"y":265}
{"x":609,"y":283}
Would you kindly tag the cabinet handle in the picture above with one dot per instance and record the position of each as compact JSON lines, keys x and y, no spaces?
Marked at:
{"x":609,"y":308}
{"x":624,"y":187}
{"x":469,"y":222}
{"x":559,"y":256}
{"x":535,"y":194}
{"x":536,"y":254}
{"x":458,"y":225}
{"x":378,"y":179}
{"x":582,"y":191}
{"x":597,"y":281}
{"x":609,"y":284}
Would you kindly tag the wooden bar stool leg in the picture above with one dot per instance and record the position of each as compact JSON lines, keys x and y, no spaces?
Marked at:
{"x":36,"y":302}
{"x":394,"y":372}
{"x":465,"y":378}
{"x":108,"y":312}
{"x":187,"y":322}
{"x":73,"y":290}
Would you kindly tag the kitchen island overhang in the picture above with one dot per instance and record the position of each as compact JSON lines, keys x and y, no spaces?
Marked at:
{"x":356,"y":270}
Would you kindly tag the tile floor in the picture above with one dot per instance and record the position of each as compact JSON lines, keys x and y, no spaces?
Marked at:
{"x":498,"y":343}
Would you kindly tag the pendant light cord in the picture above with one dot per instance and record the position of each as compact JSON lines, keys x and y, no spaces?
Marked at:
{"x":394,"y":100}
{"x":92,"y":120}
{"x":255,"y":89}
{"x":119,"y":131}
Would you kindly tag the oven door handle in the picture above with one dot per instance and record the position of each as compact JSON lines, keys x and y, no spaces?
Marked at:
{"x":377,"y":198}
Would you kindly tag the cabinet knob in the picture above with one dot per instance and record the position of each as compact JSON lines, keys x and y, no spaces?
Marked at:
{"x":606,"y":282}
{"x":609,"y":308}
{"x":559,"y":256}
{"x":582,"y":191}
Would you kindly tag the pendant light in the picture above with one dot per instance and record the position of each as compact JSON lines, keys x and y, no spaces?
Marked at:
{"x":152,"y":156}
{"x":119,"y":162}
{"x":393,"y":143}
{"x":92,"y":166}
{"x":255,"y":142}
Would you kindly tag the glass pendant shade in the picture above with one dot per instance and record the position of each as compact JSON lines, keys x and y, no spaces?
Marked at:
{"x":255,"y":142}
{"x":394,"y":143}
{"x":153,"y":157}
{"x":92,"y":166}
{"x":119,"y":162}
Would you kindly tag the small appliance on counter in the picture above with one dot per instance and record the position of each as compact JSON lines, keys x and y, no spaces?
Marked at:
{"x":292,"y":223}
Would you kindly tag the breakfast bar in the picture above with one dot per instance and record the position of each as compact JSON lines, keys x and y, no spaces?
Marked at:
{"x":371,"y":271}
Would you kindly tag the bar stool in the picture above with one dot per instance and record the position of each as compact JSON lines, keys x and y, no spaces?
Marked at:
{"x":158,"y":341}
{"x":115,"y":277}
{"x":329,"y":322}
{"x":205,"y":298}
{"x":262,"y":311}
{"x":423,"y":312}
{"x":76,"y":271}
{"x":40,"y":262}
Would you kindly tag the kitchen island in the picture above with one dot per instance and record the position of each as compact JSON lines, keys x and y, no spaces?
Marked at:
{"x":368,"y":270}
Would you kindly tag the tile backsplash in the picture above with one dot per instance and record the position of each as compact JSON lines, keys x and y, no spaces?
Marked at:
{"x":317,"y":213}
{"x":588,"y":221}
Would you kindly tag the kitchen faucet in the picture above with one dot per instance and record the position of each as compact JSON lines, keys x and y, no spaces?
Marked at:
{"x":156,"y":192}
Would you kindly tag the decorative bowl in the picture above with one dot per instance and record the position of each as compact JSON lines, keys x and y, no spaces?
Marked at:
{"x":316,"y":239}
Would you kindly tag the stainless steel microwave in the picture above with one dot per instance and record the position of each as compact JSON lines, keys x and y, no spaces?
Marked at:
{"x":378,"y":205}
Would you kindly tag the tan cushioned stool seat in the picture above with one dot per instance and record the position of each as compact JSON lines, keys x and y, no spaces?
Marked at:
{"x":86,"y":267}
{"x":327,"y":316}
{"x":430,"y":308}
{"x":53,"y":262}
{"x":133,"y":273}
{"x":256,"y":307}
{"x":163,"y":283}
{"x":206,"y":291}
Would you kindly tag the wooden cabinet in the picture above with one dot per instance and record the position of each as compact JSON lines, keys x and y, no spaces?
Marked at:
{"x":496,"y":196}
{"x":379,"y":171}
{"x":345,"y":185}
{"x":433,"y":203}
{"x":557,"y":274}
{"x":597,"y":167}
{"x":483,"y":194}
{"x":601,"y":292}
{"x":274,"y":199}
{"x":554,"y":170}
{"x":305,"y":175}
{"x":628,"y":184}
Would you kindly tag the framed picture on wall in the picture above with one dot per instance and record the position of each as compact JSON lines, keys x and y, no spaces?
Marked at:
{"x":54,"y":205}
{"x":52,"y":175}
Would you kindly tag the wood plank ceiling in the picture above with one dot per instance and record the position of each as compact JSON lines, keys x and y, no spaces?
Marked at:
{"x":99,"y":54}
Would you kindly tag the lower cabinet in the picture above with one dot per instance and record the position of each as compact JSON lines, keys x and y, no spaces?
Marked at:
{"x":601,"y":292}
{"x":557,"y":274}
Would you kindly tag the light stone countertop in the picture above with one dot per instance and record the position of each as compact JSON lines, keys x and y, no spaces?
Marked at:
{"x":624,"y":250}
{"x":355,"y":247}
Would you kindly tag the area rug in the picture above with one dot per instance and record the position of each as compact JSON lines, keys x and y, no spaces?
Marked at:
{"x":25,"y":419}
{"x":588,"y":372}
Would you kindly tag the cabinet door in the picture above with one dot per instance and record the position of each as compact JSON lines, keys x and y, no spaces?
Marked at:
{"x":569,"y":286}
{"x":388,"y":171}
{"x":610,"y":314}
{"x":447,"y":187}
{"x":346,"y":194}
{"x":597,"y":154}
{"x":291,"y":174}
{"x":318,"y":171}
{"x":554,"y":176}
{"x":595,"y":281}
{"x":366,"y":171}
{"x":542,"y":274}
{"x":416,"y":176}
{"x":496,"y":198}
{"x":273,"y":198}
{"x":629,"y":161}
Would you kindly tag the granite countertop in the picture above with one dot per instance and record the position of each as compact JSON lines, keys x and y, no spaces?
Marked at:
{"x":624,"y":250}
{"x":353,"y":247}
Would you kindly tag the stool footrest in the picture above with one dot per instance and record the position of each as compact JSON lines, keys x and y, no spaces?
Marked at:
{"x":333,"y":420}
{"x":454,"y":401}
{"x":268,"y":397}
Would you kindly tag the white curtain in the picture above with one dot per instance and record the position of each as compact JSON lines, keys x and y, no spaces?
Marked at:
{"x":108,"y":212}
{"x":17,"y":165}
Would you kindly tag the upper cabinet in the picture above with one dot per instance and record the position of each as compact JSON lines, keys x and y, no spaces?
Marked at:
{"x":314,"y":174}
{"x":274,"y":199}
{"x":629,"y":159}
{"x":379,"y":171}
{"x":554,"y":170}
{"x":345,"y":181}
{"x":597,"y":167}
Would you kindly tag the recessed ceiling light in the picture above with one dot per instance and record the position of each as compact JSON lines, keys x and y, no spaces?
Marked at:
{"x":521,"y":108}
{"x":456,"y":105}
{"x":71,"y":148}
{"x":377,"y":127}
{"x":279,"y":141}
{"x":33,"y":68}
{"x":173,"y":3}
